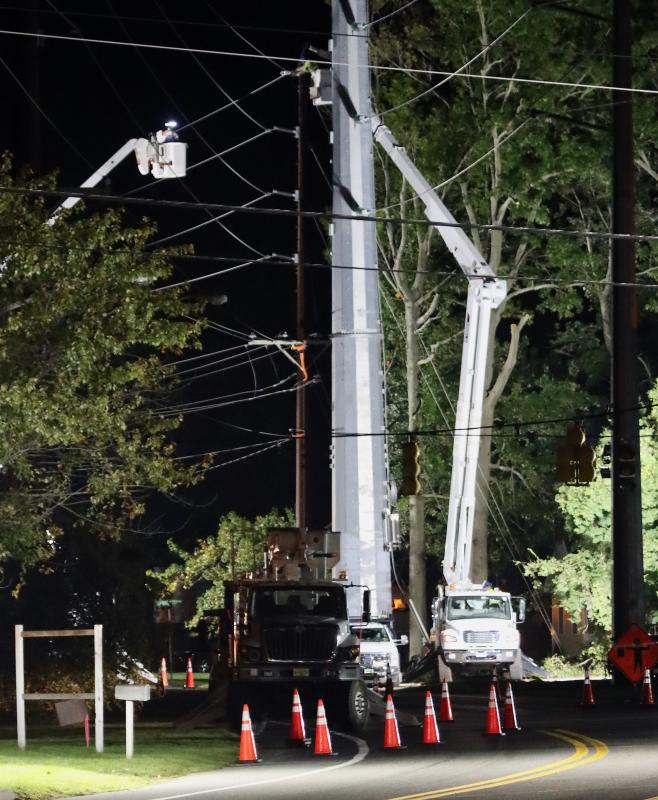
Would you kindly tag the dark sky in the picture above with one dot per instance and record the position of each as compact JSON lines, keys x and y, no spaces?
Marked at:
{"x":86,"y":100}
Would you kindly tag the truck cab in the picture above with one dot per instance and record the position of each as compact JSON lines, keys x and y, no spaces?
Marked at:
{"x":475,"y":630}
{"x":286,"y":629}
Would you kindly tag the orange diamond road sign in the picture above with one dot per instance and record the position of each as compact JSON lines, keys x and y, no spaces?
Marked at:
{"x":633,"y":653}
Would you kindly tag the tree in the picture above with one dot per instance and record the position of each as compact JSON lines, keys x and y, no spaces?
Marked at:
{"x":237,"y":547}
{"x":581,"y":579}
{"x":506,"y":153}
{"x":84,"y":346}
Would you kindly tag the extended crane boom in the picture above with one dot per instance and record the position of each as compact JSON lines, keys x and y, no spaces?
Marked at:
{"x":485,"y":293}
{"x":475,"y":628}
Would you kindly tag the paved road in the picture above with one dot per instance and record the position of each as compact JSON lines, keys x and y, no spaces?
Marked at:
{"x":562,"y":751}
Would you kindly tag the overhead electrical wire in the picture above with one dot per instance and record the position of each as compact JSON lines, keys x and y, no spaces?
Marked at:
{"x":279,"y":261}
{"x":319,"y":62}
{"x":48,"y":119}
{"x":101,"y":69}
{"x":178,"y":109}
{"x":459,"y":71}
{"x":206,"y":72}
{"x":284,"y":212}
{"x":393,"y":13}
{"x":265,"y":449}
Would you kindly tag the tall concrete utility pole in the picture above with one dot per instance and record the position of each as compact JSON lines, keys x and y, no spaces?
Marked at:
{"x":628,"y":574}
{"x":359,"y":461}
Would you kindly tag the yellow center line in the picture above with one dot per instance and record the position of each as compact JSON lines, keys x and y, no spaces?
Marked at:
{"x":578,"y":758}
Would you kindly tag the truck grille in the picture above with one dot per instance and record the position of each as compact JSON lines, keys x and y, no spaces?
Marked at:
{"x":480,"y":637}
{"x":300,"y":643}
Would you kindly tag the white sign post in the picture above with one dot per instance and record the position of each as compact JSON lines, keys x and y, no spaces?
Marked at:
{"x":22,"y":696}
{"x":131,"y":694}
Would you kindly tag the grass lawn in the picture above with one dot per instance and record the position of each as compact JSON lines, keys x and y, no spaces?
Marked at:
{"x":178,"y":679}
{"x":56,"y":762}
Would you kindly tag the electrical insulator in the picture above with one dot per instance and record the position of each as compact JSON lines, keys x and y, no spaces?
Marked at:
{"x":410,"y":469}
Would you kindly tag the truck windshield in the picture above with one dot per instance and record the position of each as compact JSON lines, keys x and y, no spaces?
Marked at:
{"x":477,"y":607}
{"x":269,"y":601}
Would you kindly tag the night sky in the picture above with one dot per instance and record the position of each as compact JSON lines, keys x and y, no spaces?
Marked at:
{"x":86,"y":100}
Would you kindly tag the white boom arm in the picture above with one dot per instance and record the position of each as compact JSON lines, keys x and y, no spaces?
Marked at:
{"x":165,"y":159}
{"x":485,"y":293}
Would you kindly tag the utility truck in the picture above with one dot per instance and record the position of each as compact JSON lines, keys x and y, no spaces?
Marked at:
{"x":288,"y":628}
{"x":474,"y":625}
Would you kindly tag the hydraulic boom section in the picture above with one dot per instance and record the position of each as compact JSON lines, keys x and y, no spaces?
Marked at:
{"x":485,"y":293}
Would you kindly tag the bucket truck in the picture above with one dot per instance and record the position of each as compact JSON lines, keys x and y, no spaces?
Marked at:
{"x":474,"y":625}
{"x":288,"y":628}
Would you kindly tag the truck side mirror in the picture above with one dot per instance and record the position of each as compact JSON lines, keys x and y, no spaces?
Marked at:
{"x":520,"y":614}
{"x":365,"y":617}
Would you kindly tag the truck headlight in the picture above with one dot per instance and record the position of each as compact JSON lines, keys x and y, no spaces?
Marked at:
{"x":449,"y":637}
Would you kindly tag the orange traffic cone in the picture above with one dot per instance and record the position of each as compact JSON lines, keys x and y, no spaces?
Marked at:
{"x":430,"y":728}
{"x":647,"y":691}
{"x":189,"y":675}
{"x":588,"y":695}
{"x":164,"y":678}
{"x":247,"y":744}
{"x":445,"y":711}
{"x":322,"y":745}
{"x":391,"y":733}
{"x":297,"y":735}
{"x":509,"y":715}
{"x":493,"y":717}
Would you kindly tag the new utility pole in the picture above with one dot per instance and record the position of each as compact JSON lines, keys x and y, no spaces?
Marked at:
{"x":628,"y":575}
{"x":359,"y":489}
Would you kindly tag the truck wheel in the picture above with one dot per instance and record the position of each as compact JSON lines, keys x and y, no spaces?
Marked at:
{"x":516,"y":668}
{"x":356,"y":706}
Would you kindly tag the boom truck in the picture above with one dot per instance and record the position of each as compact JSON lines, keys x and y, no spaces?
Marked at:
{"x":474,"y":625}
{"x":288,"y":628}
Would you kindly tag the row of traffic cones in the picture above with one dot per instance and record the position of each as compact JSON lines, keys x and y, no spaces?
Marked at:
{"x":322,"y":743}
{"x":646,"y":695}
{"x":189,"y":674}
{"x":297,"y":736}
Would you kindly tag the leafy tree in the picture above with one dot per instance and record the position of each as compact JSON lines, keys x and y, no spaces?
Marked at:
{"x":236,"y":548}
{"x":507,"y":153}
{"x":84,"y":344}
{"x":581,"y":579}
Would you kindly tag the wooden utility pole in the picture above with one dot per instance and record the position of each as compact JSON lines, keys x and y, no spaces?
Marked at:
{"x":628,"y":574}
{"x":301,"y":460}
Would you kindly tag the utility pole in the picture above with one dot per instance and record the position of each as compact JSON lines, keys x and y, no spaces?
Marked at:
{"x":628,"y":574}
{"x":359,"y":487}
{"x":301,"y":464}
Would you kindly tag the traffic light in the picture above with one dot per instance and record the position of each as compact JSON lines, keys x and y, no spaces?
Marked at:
{"x":575,"y":461}
{"x":410,"y":469}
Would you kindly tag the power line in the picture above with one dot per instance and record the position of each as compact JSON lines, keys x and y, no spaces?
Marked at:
{"x":460,"y":70}
{"x":319,"y":62}
{"x":390,"y":14}
{"x":48,"y":119}
{"x":284,"y":212}
{"x":272,"y":260}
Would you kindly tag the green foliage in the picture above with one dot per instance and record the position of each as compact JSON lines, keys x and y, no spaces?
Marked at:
{"x":84,"y":342}
{"x":581,"y":579}
{"x":236,"y":548}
